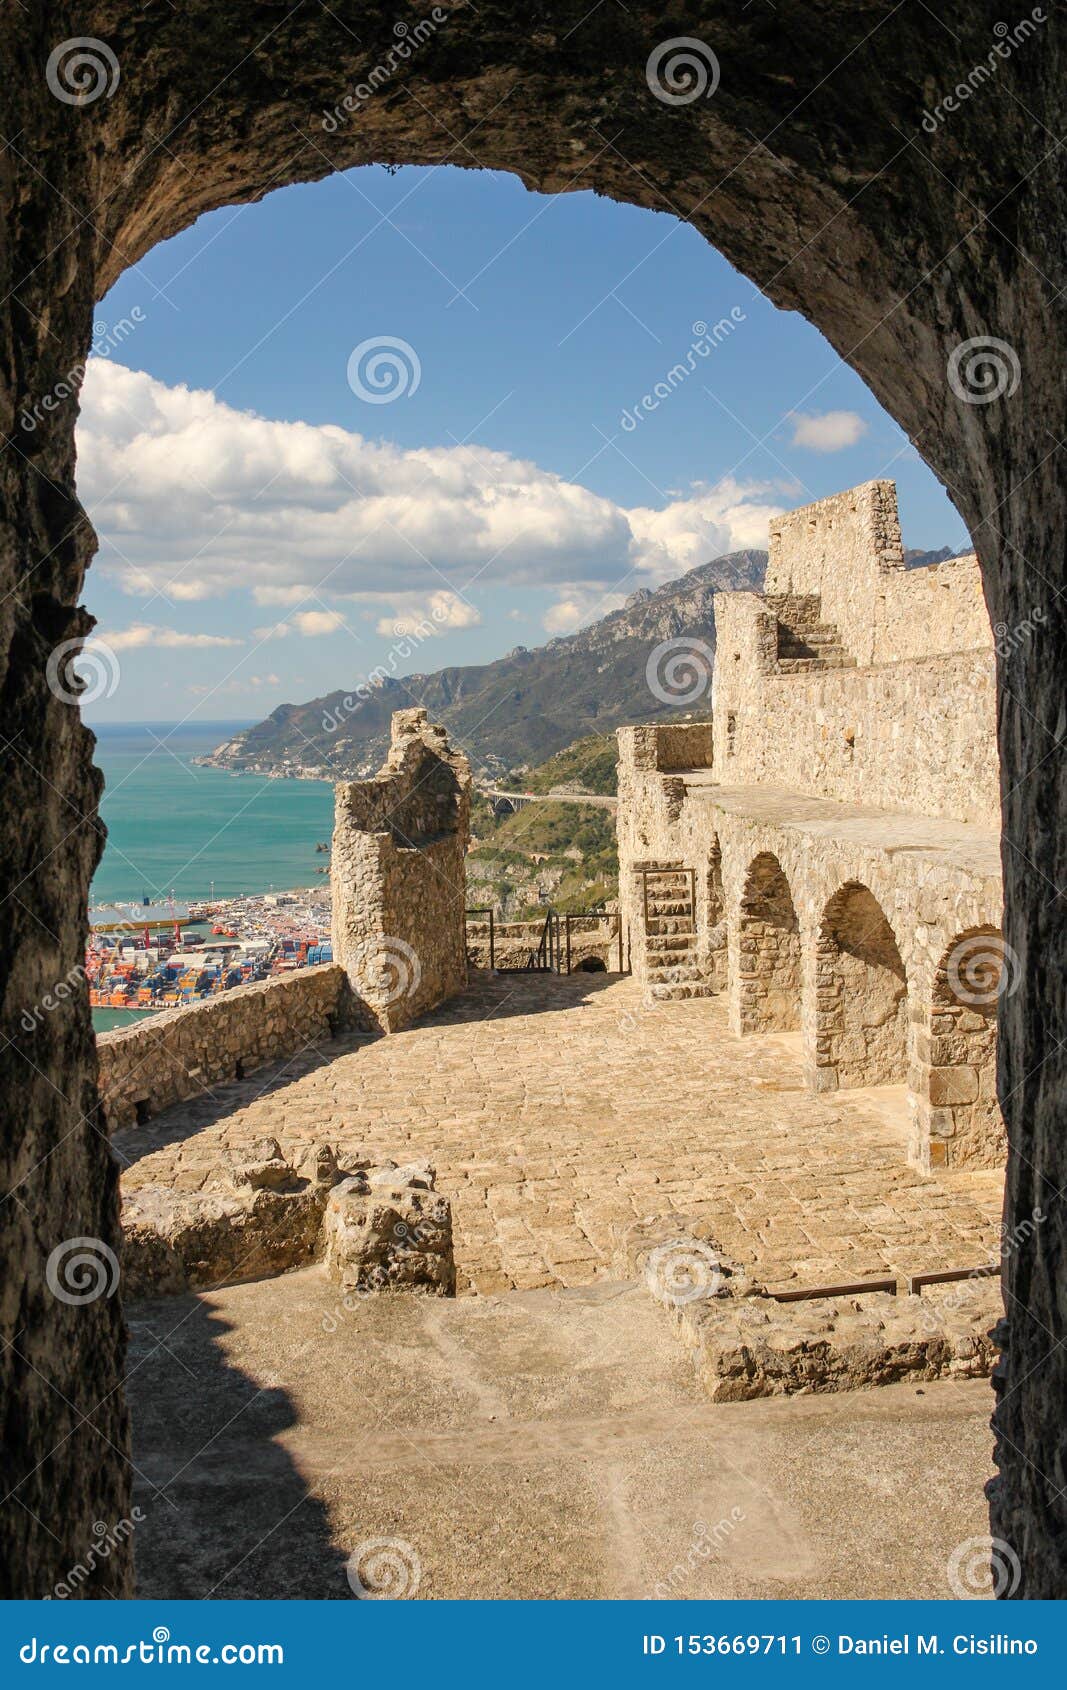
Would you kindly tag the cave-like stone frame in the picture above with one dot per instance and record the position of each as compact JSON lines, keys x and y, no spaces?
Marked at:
{"x":825,"y":163}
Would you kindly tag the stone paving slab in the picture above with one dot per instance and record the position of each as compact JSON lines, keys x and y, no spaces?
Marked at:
{"x":557,"y":1108}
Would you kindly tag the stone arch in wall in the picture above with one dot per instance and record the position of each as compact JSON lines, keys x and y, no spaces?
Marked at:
{"x":861,"y":995}
{"x":954,"y":1084}
{"x":765,"y":985}
{"x":713,"y":925}
{"x":802,"y":181}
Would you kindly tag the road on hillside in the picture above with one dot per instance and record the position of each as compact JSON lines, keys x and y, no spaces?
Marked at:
{"x":556,"y":796}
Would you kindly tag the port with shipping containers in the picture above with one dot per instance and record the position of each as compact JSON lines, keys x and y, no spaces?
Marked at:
{"x":162,"y":955}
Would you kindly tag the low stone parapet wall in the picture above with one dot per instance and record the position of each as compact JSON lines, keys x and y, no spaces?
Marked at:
{"x":179,"y":1053}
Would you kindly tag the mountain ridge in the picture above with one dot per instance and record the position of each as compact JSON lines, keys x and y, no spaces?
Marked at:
{"x":518,"y":709}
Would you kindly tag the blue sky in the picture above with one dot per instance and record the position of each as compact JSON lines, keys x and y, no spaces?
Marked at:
{"x":265,"y":535}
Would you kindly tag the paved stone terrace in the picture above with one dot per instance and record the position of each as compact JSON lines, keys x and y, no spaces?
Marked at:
{"x":556,"y":1109}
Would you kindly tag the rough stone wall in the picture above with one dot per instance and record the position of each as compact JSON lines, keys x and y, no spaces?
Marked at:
{"x":179,"y":1053}
{"x":846,"y":551}
{"x":912,"y":736}
{"x":956,"y":1052}
{"x":398,"y":877}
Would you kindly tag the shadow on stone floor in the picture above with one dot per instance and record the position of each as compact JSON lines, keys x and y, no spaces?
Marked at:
{"x":226,"y":1512}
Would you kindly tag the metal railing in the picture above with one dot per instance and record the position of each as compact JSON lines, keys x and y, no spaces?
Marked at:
{"x":554,"y":951}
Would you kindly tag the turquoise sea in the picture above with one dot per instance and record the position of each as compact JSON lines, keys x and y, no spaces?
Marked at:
{"x":173,"y":827}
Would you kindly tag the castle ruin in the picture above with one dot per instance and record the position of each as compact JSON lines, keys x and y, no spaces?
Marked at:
{"x":825,"y":851}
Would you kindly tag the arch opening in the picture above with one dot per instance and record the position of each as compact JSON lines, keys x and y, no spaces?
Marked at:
{"x":861,"y":995}
{"x":767,"y":976}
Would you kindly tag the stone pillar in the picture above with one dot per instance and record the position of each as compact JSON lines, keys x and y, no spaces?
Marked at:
{"x":399,"y":879}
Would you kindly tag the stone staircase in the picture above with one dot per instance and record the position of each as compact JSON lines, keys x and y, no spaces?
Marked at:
{"x":672,"y":971}
{"x":805,"y":641}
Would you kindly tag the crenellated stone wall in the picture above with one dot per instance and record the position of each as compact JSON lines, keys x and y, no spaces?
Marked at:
{"x":179,"y":1053}
{"x":398,"y":877}
{"x":851,"y":677}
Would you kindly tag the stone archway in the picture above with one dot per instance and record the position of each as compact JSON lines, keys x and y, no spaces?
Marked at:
{"x":765,"y":967}
{"x":861,"y":1014}
{"x":711,"y":912}
{"x":915,"y":240}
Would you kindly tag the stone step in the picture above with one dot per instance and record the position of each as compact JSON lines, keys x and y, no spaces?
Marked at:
{"x":660,"y":925}
{"x":669,"y":906}
{"x":671,"y":944}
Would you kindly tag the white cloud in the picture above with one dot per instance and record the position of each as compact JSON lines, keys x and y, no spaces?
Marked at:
{"x":831,"y":432}
{"x":200,"y":499}
{"x":572,"y":612}
{"x":437,"y":614}
{"x":148,"y":634}
{"x":314,"y":623}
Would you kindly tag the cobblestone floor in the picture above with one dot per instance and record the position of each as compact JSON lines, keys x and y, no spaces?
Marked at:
{"x":556,"y":1109}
